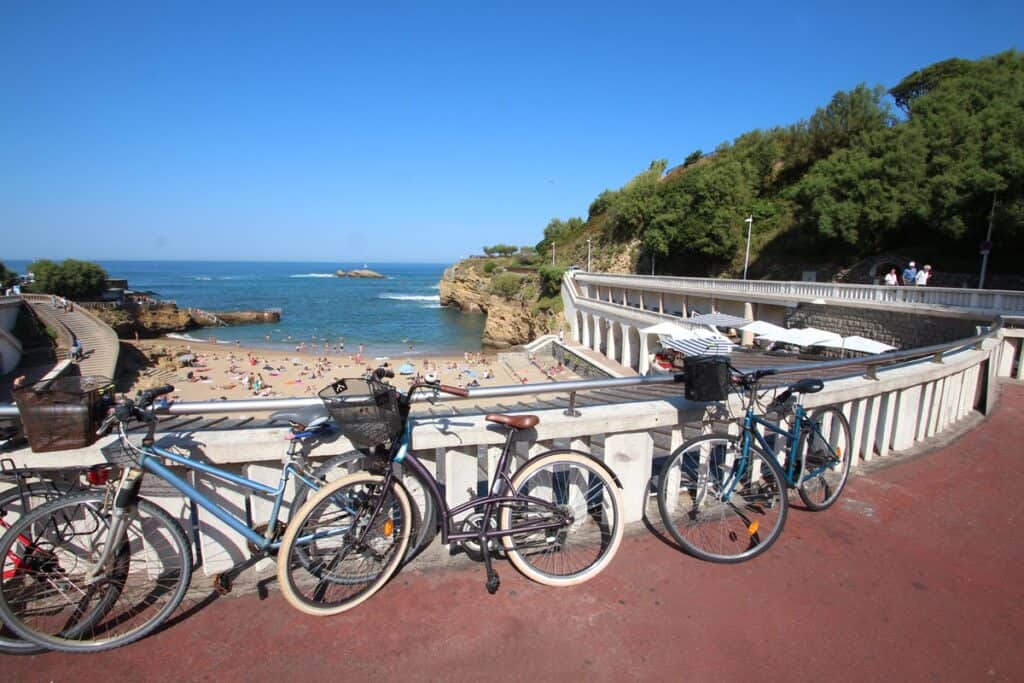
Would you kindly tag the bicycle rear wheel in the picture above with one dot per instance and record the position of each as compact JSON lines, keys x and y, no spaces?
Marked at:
{"x":56,"y":601}
{"x":719,"y":506}
{"x":581,"y":504}
{"x":825,"y":451}
{"x":336,"y":552}
{"x":14,"y":504}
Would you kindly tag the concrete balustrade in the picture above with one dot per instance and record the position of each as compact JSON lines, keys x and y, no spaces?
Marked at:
{"x":905,"y":407}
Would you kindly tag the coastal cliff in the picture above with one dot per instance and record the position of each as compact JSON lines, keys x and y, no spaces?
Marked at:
{"x":513,"y":316}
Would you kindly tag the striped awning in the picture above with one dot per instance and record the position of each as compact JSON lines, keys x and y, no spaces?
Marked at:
{"x":699,"y":346}
{"x":720,"y":320}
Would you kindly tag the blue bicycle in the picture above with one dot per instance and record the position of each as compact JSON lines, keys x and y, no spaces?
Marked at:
{"x":723,"y":497}
{"x":102,"y":568}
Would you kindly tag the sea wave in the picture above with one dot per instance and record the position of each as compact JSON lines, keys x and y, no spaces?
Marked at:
{"x":313,"y":275}
{"x":435,"y":298}
{"x":204,"y":278}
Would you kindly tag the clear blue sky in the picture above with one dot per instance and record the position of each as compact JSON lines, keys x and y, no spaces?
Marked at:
{"x":408,"y":131}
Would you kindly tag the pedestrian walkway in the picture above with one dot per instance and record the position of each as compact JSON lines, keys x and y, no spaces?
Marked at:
{"x":99,"y":343}
{"x":914,"y":575}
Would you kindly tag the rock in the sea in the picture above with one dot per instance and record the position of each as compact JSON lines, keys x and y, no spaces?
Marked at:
{"x":361,"y":272}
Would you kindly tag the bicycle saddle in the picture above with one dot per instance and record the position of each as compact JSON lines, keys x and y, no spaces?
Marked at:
{"x":807,"y":386}
{"x":514,"y":421}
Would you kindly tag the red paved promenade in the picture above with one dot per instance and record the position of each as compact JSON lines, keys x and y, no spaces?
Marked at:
{"x":917,"y":575}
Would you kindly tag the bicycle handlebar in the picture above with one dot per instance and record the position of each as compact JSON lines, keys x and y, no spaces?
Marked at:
{"x":128,"y":409}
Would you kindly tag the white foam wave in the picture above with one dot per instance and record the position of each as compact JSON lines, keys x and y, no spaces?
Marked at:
{"x":313,"y":275}
{"x":411,"y":297}
{"x":202,"y":277}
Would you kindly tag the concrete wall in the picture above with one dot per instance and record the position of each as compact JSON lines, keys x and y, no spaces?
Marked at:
{"x":896,"y":328}
{"x":9,"y":307}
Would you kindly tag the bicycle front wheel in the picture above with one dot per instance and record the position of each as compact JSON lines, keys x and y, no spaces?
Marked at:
{"x":718,"y":505}
{"x":343,"y":544}
{"x":63,"y":599}
{"x":572,"y":525}
{"x":424,"y":511}
{"x":825,"y":451}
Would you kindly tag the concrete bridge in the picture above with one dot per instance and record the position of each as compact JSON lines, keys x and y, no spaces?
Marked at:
{"x":606,"y":312}
{"x":897,"y":402}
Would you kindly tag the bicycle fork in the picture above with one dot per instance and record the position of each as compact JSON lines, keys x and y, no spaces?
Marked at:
{"x":121,"y":516}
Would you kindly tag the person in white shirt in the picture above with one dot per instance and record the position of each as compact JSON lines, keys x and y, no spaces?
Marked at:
{"x":891,"y":278}
{"x":921,"y":279}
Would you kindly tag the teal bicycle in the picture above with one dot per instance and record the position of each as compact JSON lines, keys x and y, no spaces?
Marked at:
{"x":723,"y":497}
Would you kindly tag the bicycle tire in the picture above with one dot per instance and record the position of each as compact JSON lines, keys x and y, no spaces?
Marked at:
{"x":13,"y":501}
{"x":740,"y":527}
{"x":827,"y":476}
{"x":316,"y":575}
{"x":558,"y":557}
{"x":145,"y":583}
{"x":424,"y":510}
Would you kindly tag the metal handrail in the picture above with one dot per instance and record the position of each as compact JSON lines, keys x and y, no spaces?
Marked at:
{"x":572,"y":388}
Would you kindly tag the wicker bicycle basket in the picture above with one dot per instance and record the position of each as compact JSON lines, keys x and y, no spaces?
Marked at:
{"x":63,"y":414}
{"x":706,"y":377}
{"x":367,"y":411}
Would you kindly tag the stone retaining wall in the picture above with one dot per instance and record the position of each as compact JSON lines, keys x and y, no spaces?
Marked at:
{"x":897,"y":328}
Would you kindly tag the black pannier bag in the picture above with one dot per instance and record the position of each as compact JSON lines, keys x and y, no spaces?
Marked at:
{"x":63,"y":414}
{"x":706,"y":377}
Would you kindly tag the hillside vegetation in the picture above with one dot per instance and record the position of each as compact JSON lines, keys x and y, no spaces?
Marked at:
{"x":915,"y":167}
{"x":920,"y":169}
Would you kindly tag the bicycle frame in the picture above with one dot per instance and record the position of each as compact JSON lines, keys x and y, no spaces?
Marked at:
{"x":499,"y":485}
{"x":149,"y":460}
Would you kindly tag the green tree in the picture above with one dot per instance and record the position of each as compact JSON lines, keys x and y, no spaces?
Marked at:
{"x":7,"y":277}
{"x":550,"y":280}
{"x":70,"y":278}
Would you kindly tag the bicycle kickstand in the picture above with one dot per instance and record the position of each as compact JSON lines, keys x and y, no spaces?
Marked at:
{"x":224,"y":581}
{"x":493,"y":581}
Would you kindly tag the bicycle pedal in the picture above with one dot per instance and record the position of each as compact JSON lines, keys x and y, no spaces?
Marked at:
{"x":222,"y":584}
{"x":492,"y":584}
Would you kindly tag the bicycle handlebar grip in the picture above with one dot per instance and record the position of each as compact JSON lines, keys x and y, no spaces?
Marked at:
{"x":160,"y":391}
{"x":457,"y":391}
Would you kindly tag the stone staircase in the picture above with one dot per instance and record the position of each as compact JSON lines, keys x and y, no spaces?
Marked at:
{"x":99,"y":343}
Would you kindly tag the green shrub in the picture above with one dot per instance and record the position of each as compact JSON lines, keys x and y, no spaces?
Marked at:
{"x":506,"y":285}
{"x":490,"y":266}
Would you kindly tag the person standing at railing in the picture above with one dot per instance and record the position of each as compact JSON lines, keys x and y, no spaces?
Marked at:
{"x":891,"y":278}
{"x":910,"y":274}
{"x":923,"y":275}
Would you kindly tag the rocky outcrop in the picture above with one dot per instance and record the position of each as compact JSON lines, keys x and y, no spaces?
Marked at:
{"x":509,"y":322}
{"x":248,"y":317}
{"x":148,"y":321}
{"x":362,"y":272}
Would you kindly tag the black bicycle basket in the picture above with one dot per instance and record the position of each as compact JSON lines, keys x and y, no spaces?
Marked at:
{"x":367,"y":411}
{"x":706,"y":377}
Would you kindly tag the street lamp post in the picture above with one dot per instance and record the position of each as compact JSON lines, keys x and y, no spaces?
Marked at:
{"x":749,"y":220}
{"x":588,"y":255}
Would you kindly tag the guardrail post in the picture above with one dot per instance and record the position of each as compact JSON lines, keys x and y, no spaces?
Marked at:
{"x":571,"y":410}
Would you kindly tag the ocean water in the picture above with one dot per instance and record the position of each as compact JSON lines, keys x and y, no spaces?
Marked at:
{"x":316,"y":306}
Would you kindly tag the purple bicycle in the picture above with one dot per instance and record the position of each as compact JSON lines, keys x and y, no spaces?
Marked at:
{"x":558,"y":516}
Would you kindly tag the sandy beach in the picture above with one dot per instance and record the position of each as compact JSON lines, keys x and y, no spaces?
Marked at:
{"x":202,"y":371}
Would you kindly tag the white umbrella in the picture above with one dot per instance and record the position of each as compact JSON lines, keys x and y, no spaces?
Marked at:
{"x":668,"y":329}
{"x":700,"y":346}
{"x":858,"y":343}
{"x":767,"y":330}
{"x":809,"y":336}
